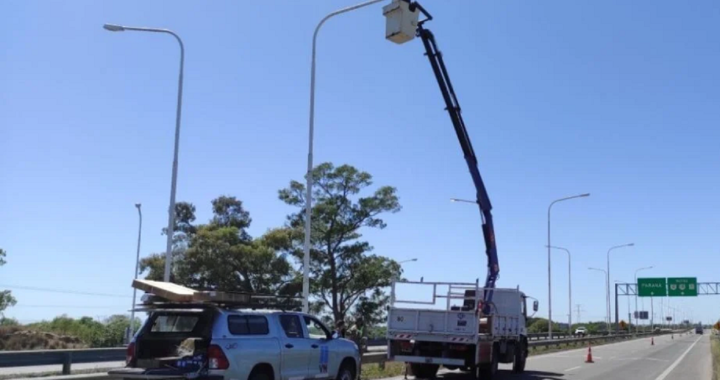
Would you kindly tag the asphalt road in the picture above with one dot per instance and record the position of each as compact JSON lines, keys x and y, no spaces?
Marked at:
{"x":687,"y":357}
{"x":57,"y":368}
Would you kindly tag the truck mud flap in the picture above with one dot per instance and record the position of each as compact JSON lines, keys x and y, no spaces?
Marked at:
{"x":428,"y":360}
{"x":158,"y":373}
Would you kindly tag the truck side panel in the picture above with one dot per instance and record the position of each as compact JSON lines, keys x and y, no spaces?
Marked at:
{"x":432,"y":321}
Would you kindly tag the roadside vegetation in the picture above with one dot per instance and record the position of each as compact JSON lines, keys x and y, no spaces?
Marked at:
{"x":64,"y":333}
{"x":375,"y":371}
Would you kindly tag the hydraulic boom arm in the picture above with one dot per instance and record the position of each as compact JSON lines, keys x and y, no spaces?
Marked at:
{"x":453,"y":109}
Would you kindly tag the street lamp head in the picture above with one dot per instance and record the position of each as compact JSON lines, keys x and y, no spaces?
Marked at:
{"x":114,"y":28}
{"x":138,"y":205}
{"x":585,"y":195}
{"x":631,"y":245}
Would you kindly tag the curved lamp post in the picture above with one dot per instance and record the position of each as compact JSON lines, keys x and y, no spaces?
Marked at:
{"x":178,"y":112}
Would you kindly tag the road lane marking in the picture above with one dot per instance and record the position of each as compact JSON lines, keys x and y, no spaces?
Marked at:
{"x":657,"y":360}
{"x":675,"y":364}
{"x":600,"y":347}
{"x":572,"y":369}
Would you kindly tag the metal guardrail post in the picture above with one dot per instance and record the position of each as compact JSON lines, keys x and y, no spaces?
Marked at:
{"x":67,"y":362}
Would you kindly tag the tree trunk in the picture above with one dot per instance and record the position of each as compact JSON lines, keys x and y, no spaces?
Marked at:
{"x":333,"y":283}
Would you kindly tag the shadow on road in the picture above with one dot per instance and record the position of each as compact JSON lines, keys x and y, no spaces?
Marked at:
{"x":507,"y":375}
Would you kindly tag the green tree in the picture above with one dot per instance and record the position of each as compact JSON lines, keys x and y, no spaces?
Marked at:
{"x":540,"y":325}
{"x":6,"y":297}
{"x":341,"y":266}
{"x":114,"y":330}
{"x":221,"y":255}
{"x":9,"y":322}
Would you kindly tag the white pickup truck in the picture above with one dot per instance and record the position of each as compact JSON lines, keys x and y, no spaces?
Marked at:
{"x":457,"y":335}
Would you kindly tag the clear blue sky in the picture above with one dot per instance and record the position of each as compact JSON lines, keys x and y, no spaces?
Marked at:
{"x":616,"y":98}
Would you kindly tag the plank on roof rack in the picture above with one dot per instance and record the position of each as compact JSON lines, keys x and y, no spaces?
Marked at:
{"x":167,"y":290}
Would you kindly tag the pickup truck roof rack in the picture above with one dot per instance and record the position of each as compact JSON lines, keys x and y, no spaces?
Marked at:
{"x":164,"y":295}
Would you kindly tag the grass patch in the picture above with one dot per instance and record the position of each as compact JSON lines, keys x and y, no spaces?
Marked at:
{"x":715,"y":350}
{"x":373,"y":371}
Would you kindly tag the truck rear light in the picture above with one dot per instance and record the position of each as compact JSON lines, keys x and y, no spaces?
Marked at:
{"x":130,"y":353}
{"x":406,"y":346}
{"x":458,"y":347}
{"x":217,"y":358}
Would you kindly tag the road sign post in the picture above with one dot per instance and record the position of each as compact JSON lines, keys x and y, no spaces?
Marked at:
{"x":682,"y":287}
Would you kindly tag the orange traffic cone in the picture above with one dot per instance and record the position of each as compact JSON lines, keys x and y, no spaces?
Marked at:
{"x":589,"y":355}
{"x":652,"y":340}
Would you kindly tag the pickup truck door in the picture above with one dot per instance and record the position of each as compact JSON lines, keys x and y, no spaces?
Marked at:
{"x":320,"y":363}
{"x":295,"y":348}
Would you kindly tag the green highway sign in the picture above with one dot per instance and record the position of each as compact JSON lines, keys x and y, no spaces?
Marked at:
{"x":652,"y":287}
{"x":682,"y":286}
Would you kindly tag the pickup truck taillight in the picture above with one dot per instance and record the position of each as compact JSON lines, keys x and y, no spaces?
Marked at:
{"x":130,"y":353}
{"x":217,"y":358}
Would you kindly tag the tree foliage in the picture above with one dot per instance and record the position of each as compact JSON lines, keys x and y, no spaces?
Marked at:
{"x":221,"y":254}
{"x":6,"y":297}
{"x":346,"y":277}
{"x":342,"y":269}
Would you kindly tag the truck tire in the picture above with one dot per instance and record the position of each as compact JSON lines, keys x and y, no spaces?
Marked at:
{"x":488,"y":371}
{"x":424,"y":371}
{"x":521,"y":353}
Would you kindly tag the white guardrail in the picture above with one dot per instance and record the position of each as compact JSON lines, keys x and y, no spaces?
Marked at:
{"x":371,"y":354}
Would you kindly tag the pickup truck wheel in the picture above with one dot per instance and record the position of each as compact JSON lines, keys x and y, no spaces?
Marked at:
{"x":424,"y":371}
{"x":260,"y":375}
{"x":346,"y":372}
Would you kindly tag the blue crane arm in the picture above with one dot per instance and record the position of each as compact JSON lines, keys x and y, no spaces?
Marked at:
{"x":453,"y":108}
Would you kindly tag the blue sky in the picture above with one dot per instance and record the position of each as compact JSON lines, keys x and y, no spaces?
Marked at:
{"x":614,"y":98}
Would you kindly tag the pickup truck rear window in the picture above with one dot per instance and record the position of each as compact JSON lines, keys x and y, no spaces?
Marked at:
{"x":173,"y":323}
{"x":248,"y":325}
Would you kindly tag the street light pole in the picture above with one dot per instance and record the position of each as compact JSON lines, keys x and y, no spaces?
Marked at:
{"x":178,"y":113}
{"x":407,"y":261}
{"x":548,"y":255}
{"x":462,"y":200}
{"x":607,"y":316}
{"x":308,"y":175}
{"x":637,"y":290}
{"x":609,"y":306}
{"x":569,"y":287}
{"x":137,"y":264}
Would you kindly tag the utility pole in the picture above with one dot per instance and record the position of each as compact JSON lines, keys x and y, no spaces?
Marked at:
{"x":578,"y":312}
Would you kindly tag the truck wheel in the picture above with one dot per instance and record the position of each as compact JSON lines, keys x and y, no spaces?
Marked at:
{"x":488,"y":371}
{"x":520,"y":357}
{"x":424,"y":371}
